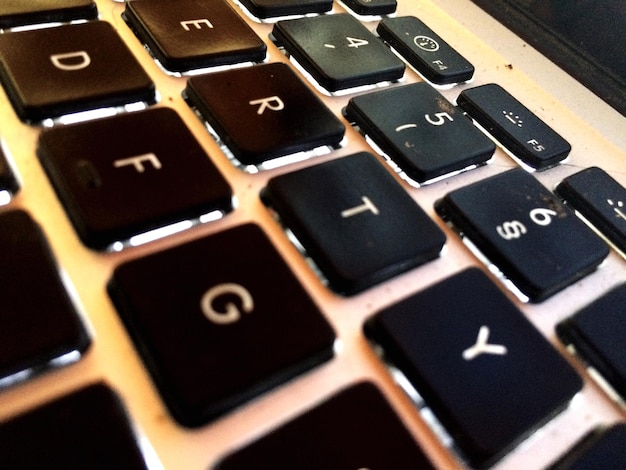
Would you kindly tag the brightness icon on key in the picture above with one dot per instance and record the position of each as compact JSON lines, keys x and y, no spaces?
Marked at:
{"x":514,"y":118}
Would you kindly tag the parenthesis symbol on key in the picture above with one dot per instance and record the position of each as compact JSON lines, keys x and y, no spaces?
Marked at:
{"x":232,"y":312}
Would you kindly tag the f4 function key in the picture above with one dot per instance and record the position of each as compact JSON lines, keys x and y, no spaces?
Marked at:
{"x":430,"y":55}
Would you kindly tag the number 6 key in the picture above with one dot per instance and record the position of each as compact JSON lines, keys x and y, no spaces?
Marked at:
{"x":525,"y":231}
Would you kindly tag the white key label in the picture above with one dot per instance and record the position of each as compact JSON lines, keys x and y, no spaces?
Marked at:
{"x":483,"y":347}
{"x":513,"y":229}
{"x":231,"y":312}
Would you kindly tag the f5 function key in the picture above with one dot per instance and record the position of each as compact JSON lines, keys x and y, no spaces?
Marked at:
{"x":514,"y":126}
{"x":430,"y":55}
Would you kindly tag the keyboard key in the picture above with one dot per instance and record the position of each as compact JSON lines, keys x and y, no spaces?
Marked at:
{"x":517,"y":128}
{"x":420,"y":131}
{"x":9,"y":183}
{"x":268,"y":9}
{"x":82,"y":65}
{"x":487,"y":374}
{"x":354,"y":429}
{"x":355,"y":221}
{"x":87,"y":429}
{"x":39,"y":326}
{"x":262,"y":113}
{"x":123,"y":176}
{"x":372,"y":7}
{"x":525,"y":231}
{"x":15,"y":13}
{"x":601,"y":200}
{"x":338,"y":51}
{"x":598,"y":334}
{"x":600,"y":449}
{"x":192,"y":35}
{"x":218,"y":321}
{"x":430,"y":55}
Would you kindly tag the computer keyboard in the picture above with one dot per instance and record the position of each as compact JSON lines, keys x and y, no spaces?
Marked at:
{"x":264,"y":235}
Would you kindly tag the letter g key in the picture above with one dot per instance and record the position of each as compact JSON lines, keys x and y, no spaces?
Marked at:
{"x":232,"y":312}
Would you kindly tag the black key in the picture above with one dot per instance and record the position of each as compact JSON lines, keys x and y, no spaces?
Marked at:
{"x":87,"y":429}
{"x":517,"y":128}
{"x":193,"y":35}
{"x":15,"y":13}
{"x":600,"y":449}
{"x":372,"y":7}
{"x":356,"y":428}
{"x":601,"y":200}
{"x":266,"y":9}
{"x":8,"y":179}
{"x":264,"y":112}
{"x":420,"y":131}
{"x":355,"y":221}
{"x":39,"y":326}
{"x":87,"y":66}
{"x":123,"y":176}
{"x":430,"y":55}
{"x":487,"y":374}
{"x":219,"y":321}
{"x":525,"y":231}
{"x":598,"y":334}
{"x":338,"y":51}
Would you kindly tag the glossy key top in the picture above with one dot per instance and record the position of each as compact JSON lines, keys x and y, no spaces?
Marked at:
{"x":598,"y":334}
{"x":191,"y":35}
{"x":121,"y":179}
{"x":262,"y":113}
{"x":219,"y":321}
{"x":354,"y":429}
{"x":420,"y":131}
{"x":354,"y":220}
{"x":40,"y":326}
{"x":338,"y":51}
{"x":518,"y":129}
{"x":483,"y":369}
{"x":87,"y":429}
{"x":600,"y":199}
{"x":86,"y":66}
{"x":430,"y":55}
{"x":525,"y":231}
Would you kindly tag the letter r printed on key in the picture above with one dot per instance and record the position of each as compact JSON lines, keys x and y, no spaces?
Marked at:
{"x":273,"y":103}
